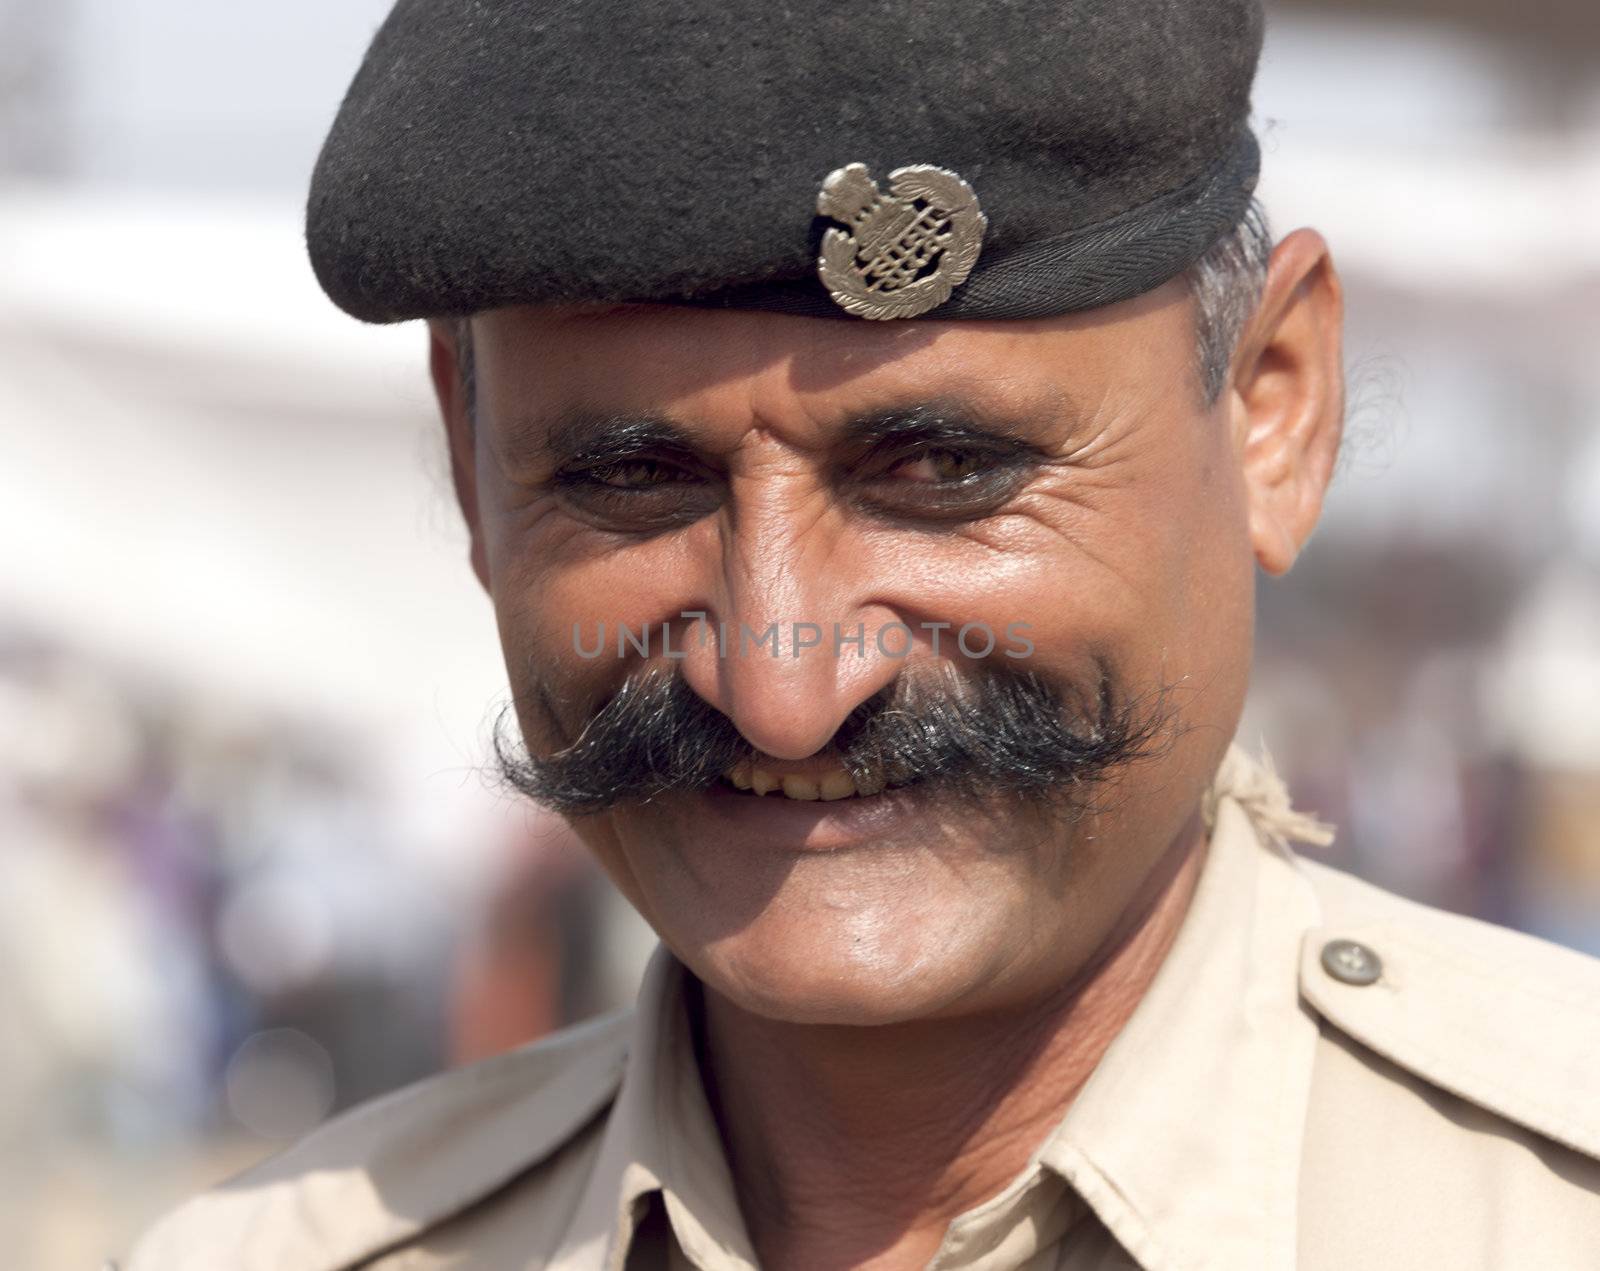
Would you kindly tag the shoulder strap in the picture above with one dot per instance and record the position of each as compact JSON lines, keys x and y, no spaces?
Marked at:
{"x":1503,"y":1020}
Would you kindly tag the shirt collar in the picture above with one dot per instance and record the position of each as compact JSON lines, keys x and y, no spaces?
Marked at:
{"x":1185,"y":1141}
{"x":660,"y":1138}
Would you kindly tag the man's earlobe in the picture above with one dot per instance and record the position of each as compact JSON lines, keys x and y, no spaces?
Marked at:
{"x":1287,"y":397}
{"x":446,"y":365}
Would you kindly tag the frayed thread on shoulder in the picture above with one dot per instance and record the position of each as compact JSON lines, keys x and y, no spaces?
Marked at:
{"x":1254,"y":784}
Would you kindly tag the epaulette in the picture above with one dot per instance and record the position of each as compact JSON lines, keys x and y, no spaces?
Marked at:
{"x":1503,"y":1020}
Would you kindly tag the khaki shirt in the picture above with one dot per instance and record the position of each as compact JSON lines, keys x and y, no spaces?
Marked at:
{"x":1263,"y":1109}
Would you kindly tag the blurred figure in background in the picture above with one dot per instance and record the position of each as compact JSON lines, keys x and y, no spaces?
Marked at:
{"x":552,"y":943}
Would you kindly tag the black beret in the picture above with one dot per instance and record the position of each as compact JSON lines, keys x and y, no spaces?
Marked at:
{"x":498,"y":152}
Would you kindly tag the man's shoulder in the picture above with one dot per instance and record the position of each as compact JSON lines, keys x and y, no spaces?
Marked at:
{"x":382,"y":1171}
{"x":1506,"y":1021}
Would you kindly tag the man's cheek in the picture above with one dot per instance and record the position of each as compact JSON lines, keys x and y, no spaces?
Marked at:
{"x":551,"y":611}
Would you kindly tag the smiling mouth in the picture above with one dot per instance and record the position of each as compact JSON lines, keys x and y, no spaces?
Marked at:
{"x":828,"y":782}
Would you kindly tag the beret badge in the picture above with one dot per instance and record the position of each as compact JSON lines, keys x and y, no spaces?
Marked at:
{"x":901,"y":253}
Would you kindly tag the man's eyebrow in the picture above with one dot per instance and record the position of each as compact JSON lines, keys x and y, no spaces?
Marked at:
{"x":950,"y":421}
{"x":589,"y":437}
{"x":585,"y":436}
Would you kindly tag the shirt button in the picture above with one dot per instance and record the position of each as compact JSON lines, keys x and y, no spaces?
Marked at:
{"x":1350,"y":962}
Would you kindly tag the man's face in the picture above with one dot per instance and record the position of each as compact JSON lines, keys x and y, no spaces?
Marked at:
{"x":1061,"y":478}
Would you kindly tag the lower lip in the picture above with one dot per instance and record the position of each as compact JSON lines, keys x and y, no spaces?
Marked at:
{"x":776,"y":822}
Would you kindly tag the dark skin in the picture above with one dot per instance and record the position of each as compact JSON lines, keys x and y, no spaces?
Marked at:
{"x":900,"y":999}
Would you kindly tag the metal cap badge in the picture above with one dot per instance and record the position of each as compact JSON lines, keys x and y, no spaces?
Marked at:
{"x":904,"y":252}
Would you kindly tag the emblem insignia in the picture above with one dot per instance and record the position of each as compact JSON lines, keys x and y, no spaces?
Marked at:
{"x":904,"y":252}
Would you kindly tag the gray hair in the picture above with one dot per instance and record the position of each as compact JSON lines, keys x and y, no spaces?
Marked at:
{"x":1226,"y":284}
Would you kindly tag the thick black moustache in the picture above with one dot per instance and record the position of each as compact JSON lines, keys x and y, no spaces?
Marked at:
{"x":980,"y":734}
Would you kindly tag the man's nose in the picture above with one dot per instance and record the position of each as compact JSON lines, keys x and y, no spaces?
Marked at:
{"x":791,"y":644}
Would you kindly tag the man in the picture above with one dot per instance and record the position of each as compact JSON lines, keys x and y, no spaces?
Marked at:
{"x":868,"y":420}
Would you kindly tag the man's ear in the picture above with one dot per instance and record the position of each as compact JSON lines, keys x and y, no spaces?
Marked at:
{"x":446,"y":365}
{"x":1286,"y":397}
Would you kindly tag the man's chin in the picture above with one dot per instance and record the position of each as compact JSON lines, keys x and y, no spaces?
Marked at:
{"x":807,"y":999}
{"x":851,"y":973}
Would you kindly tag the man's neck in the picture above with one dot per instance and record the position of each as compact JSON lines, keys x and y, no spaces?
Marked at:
{"x":846,"y":1154}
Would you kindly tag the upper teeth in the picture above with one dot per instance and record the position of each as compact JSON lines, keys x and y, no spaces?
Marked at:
{"x":838,"y":784}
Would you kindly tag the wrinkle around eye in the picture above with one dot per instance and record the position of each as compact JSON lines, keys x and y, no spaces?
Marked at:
{"x":550,"y":537}
{"x":1063,"y":503}
{"x":534,"y":513}
{"x":518,"y":454}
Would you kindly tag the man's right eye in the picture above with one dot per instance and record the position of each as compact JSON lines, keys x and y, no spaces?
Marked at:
{"x":641,"y":494}
{"x":634,"y":474}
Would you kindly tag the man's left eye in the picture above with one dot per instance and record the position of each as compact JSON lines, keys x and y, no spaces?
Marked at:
{"x":938,"y":464}
{"x":943,"y":482}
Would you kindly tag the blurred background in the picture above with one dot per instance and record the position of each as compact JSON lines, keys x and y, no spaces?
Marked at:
{"x":252,"y":868}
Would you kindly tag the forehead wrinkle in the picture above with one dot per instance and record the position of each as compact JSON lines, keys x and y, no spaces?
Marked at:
{"x":1110,"y":427}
